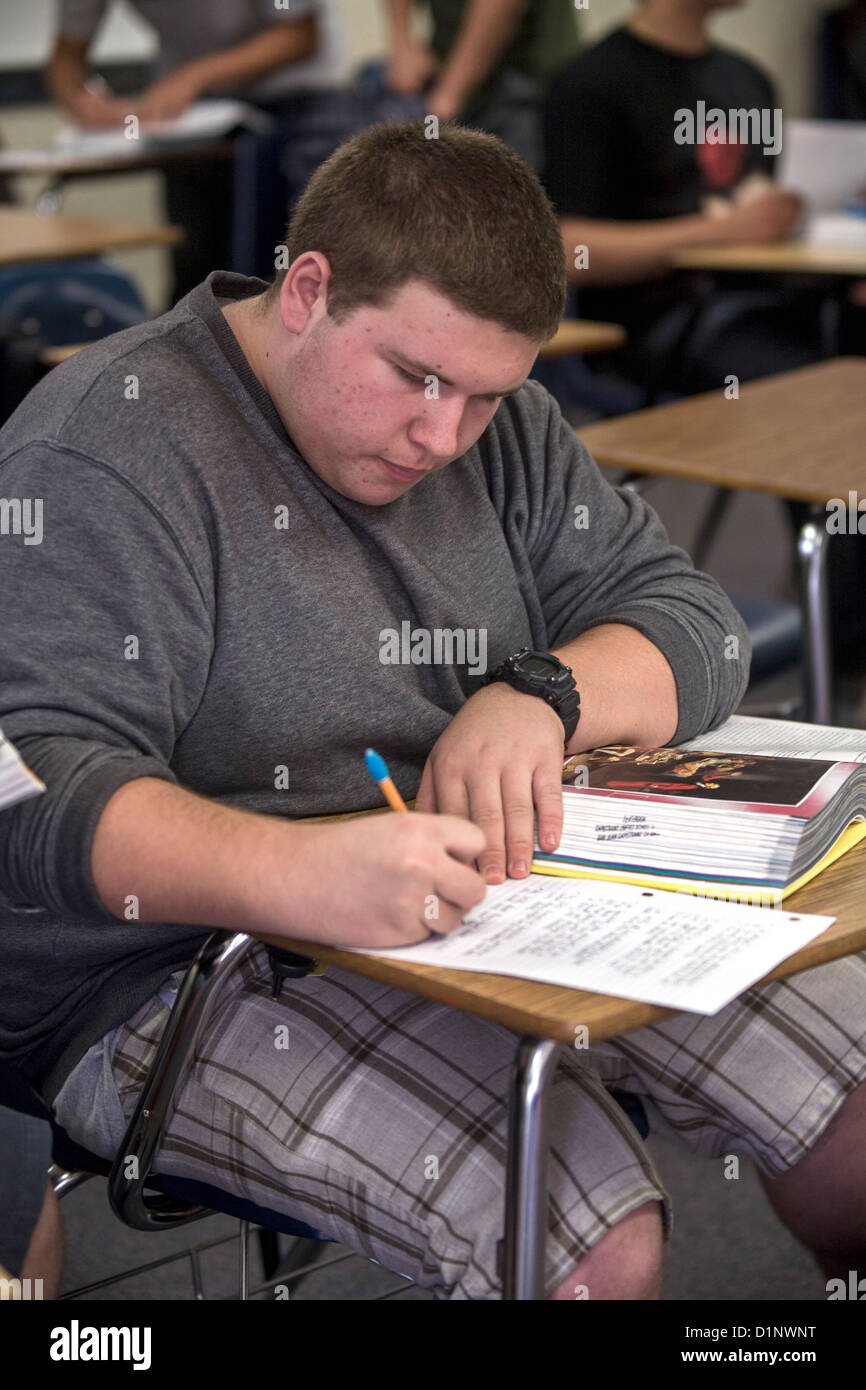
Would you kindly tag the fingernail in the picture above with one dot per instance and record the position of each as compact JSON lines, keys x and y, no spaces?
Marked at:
{"x":550,"y":840}
{"x":519,"y":866}
{"x":493,"y":873}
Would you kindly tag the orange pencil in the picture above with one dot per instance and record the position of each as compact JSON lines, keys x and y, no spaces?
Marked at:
{"x":380,"y":774}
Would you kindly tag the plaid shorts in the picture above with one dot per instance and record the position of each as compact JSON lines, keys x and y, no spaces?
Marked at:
{"x":380,"y":1118}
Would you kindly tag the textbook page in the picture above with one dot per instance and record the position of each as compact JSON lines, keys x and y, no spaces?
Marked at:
{"x":17,"y":782}
{"x":662,"y":948}
{"x":782,"y":738}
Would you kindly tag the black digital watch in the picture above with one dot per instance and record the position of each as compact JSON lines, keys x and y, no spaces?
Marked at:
{"x":540,"y":673}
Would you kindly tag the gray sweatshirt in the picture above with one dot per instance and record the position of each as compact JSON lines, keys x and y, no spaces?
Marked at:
{"x":182,"y":596}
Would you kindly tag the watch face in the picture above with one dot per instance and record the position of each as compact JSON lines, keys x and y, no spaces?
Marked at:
{"x":537,"y":666}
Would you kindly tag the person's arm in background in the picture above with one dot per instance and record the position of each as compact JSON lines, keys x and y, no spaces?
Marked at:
{"x":410,"y":64}
{"x":486,"y":30}
{"x":622,"y":253}
{"x":66,"y":79}
{"x":275,"y":47}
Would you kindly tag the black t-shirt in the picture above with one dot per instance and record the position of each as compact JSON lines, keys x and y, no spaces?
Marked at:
{"x":610,"y":122}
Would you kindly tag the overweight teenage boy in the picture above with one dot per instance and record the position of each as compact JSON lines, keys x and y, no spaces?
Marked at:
{"x":239,"y":501}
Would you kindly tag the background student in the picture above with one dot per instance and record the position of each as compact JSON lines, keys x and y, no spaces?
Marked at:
{"x":245,"y":49}
{"x":628,"y":191}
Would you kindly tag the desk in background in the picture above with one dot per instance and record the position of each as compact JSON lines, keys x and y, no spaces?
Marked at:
{"x":572,"y":336}
{"x":838,"y":265}
{"x":27,"y":236}
{"x":778,"y":257}
{"x":798,"y":435}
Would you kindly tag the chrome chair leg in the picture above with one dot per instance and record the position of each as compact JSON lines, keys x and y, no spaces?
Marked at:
{"x":526,"y":1178}
{"x":811,"y":552}
{"x":195,"y":1271}
{"x":244,"y":1261}
{"x":63,"y":1181}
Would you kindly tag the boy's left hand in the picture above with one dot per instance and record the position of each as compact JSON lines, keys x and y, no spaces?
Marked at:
{"x":500,"y":760}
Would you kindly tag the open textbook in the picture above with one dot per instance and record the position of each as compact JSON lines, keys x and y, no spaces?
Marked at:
{"x":17,"y":782}
{"x":749,"y":812}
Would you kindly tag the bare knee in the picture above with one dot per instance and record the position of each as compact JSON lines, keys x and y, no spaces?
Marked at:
{"x":625,"y":1263}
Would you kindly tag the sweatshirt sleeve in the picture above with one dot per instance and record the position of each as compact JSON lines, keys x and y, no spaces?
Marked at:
{"x":589,"y":553}
{"x":106,"y":638}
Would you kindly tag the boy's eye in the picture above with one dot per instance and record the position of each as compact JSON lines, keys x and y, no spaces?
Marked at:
{"x":422,"y":381}
{"x":407,"y":376}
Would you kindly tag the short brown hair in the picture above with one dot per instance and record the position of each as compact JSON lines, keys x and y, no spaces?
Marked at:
{"x":461,"y":212}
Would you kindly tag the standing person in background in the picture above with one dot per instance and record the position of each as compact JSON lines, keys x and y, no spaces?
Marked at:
{"x":488,"y":64}
{"x":632,"y":187}
{"x":245,"y":49}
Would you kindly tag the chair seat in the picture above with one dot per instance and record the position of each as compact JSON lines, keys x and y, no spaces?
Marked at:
{"x":71,"y":1156}
{"x":776,"y":630}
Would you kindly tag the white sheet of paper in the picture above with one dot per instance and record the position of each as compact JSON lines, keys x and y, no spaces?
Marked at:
{"x":203,"y":120}
{"x":17,"y":782}
{"x":825,"y":161}
{"x":663,"y":948}
{"x":783,"y":738}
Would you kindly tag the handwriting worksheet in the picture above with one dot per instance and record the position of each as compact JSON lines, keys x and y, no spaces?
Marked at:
{"x":670,"y":949}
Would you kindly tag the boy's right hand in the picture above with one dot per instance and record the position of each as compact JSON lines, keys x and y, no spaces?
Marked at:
{"x":388,"y":880}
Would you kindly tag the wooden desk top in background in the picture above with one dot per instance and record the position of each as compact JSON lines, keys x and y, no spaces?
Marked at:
{"x":572,"y":336}
{"x":776,"y":257}
{"x":799,"y":435}
{"x":552,"y":1011}
{"x":583,"y":336}
{"x":29,"y":236}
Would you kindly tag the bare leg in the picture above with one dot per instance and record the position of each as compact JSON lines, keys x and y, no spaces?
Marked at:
{"x":44,"y":1258}
{"x":625,"y":1263}
{"x":822,"y":1199}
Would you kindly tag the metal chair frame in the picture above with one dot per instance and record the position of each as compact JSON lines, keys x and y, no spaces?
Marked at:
{"x":158,"y":1211}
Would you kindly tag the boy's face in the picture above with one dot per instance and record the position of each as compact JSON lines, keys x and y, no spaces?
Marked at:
{"x":362,"y":395}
